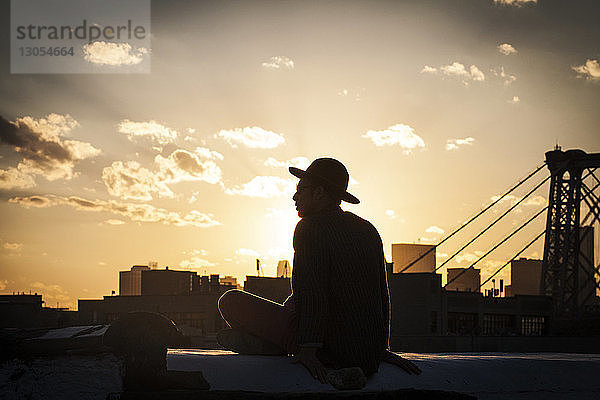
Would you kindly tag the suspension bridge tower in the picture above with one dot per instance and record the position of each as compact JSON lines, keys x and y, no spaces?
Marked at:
{"x":569,"y":276}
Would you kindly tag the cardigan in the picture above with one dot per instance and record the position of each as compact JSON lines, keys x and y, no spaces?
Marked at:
{"x":339,"y":288}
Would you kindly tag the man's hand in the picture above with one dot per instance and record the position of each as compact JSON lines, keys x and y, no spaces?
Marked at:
{"x":403,"y":363}
{"x":307,"y":356}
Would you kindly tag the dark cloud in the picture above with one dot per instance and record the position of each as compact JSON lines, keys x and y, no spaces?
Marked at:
{"x":33,"y":145}
{"x":42,"y":146}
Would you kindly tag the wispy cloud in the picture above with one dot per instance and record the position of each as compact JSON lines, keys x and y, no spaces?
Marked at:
{"x":397,"y":135}
{"x":507,"y":78}
{"x":265,"y":187}
{"x":514,"y":100}
{"x":435,"y":229}
{"x":298,"y":162}
{"x":44,"y":149}
{"x":114,"y":222}
{"x":279,"y":62}
{"x":12,"y":246}
{"x":590,"y":70}
{"x":246,"y":252}
{"x":152,"y":129}
{"x":533,"y":201}
{"x":507,"y":49}
{"x":113,"y":54}
{"x":52,"y":293}
{"x":454,"y":144}
{"x":456,"y":69}
{"x":253,"y":137}
{"x":515,"y":3}
{"x":134,"y":212}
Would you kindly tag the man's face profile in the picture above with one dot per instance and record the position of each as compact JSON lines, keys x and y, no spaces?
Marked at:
{"x":304,"y":199}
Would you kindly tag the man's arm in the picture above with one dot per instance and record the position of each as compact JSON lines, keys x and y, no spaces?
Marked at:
{"x":385,"y":300}
{"x":310,"y":281}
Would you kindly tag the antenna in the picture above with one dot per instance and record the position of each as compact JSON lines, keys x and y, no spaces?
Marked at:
{"x":258,"y":268}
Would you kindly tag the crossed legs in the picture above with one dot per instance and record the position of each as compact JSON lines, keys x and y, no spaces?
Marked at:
{"x":263,"y":319}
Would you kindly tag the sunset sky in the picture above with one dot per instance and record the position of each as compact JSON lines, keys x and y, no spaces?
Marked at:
{"x":434,"y":106}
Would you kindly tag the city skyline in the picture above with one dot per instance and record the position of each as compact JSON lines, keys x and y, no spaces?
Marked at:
{"x":435,"y":107}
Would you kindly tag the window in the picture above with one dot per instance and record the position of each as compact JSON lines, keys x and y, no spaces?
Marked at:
{"x":498,"y":324}
{"x":532,"y":325}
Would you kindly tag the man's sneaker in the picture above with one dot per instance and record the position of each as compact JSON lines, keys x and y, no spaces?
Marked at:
{"x":246,"y":343}
{"x":347,"y":378}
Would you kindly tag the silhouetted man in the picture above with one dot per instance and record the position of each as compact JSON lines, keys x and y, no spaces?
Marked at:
{"x":338,"y":313}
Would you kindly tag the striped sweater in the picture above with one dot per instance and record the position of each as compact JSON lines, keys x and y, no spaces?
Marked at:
{"x":340,"y":290}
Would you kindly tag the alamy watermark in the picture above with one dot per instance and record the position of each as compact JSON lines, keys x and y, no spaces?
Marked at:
{"x":80,"y":36}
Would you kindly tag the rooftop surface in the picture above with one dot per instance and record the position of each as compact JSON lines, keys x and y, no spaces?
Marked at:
{"x":484,"y":375}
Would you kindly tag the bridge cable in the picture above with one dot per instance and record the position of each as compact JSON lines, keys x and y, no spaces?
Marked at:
{"x":511,"y":260}
{"x":474,"y":217}
{"x":498,"y":245}
{"x":493,"y":222}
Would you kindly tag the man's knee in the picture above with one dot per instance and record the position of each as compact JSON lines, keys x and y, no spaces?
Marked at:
{"x":229,"y":302}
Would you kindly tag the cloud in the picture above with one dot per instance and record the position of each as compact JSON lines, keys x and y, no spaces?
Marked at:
{"x":399,"y":134}
{"x":12,"y":246}
{"x":182,"y":165}
{"x":44,"y":150}
{"x":114,"y":54}
{"x":476,"y":73}
{"x":196,"y":262}
{"x":391,"y":214}
{"x":114,"y":222}
{"x":515,"y":3}
{"x":454,"y":144}
{"x":356,"y":94}
{"x":514,"y":100}
{"x":135,"y":212}
{"x":265,"y":187}
{"x":532,"y":201}
{"x":252,"y":137}
{"x":508,"y":78}
{"x":590,"y":70}
{"x":52,"y":294}
{"x":130,"y":181}
{"x":457,"y":69}
{"x":152,"y":129}
{"x":279,"y":62}
{"x":298,"y":162}
{"x":507,"y":49}
{"x":14,"y":178}
{"x":435,"y":229}
{"x":246,"y":252}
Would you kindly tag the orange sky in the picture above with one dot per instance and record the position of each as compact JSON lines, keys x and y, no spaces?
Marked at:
{"x":435,"y":107}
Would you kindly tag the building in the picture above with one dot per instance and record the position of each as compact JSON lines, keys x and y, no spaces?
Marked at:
{"x":284,"y":269}
{"x":130,"y":282}
{"x":403,"y":254}
{"x":167,"y":282}
{"x":463,"y":279}
{"x":229,"y":281}
{"x":416,"y":304}
{"x":25,"y":311}
{"x":421,"y":308}
{"x":525,"y":277}
{"x":196,"y":316}
{"x":275,"y":289}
